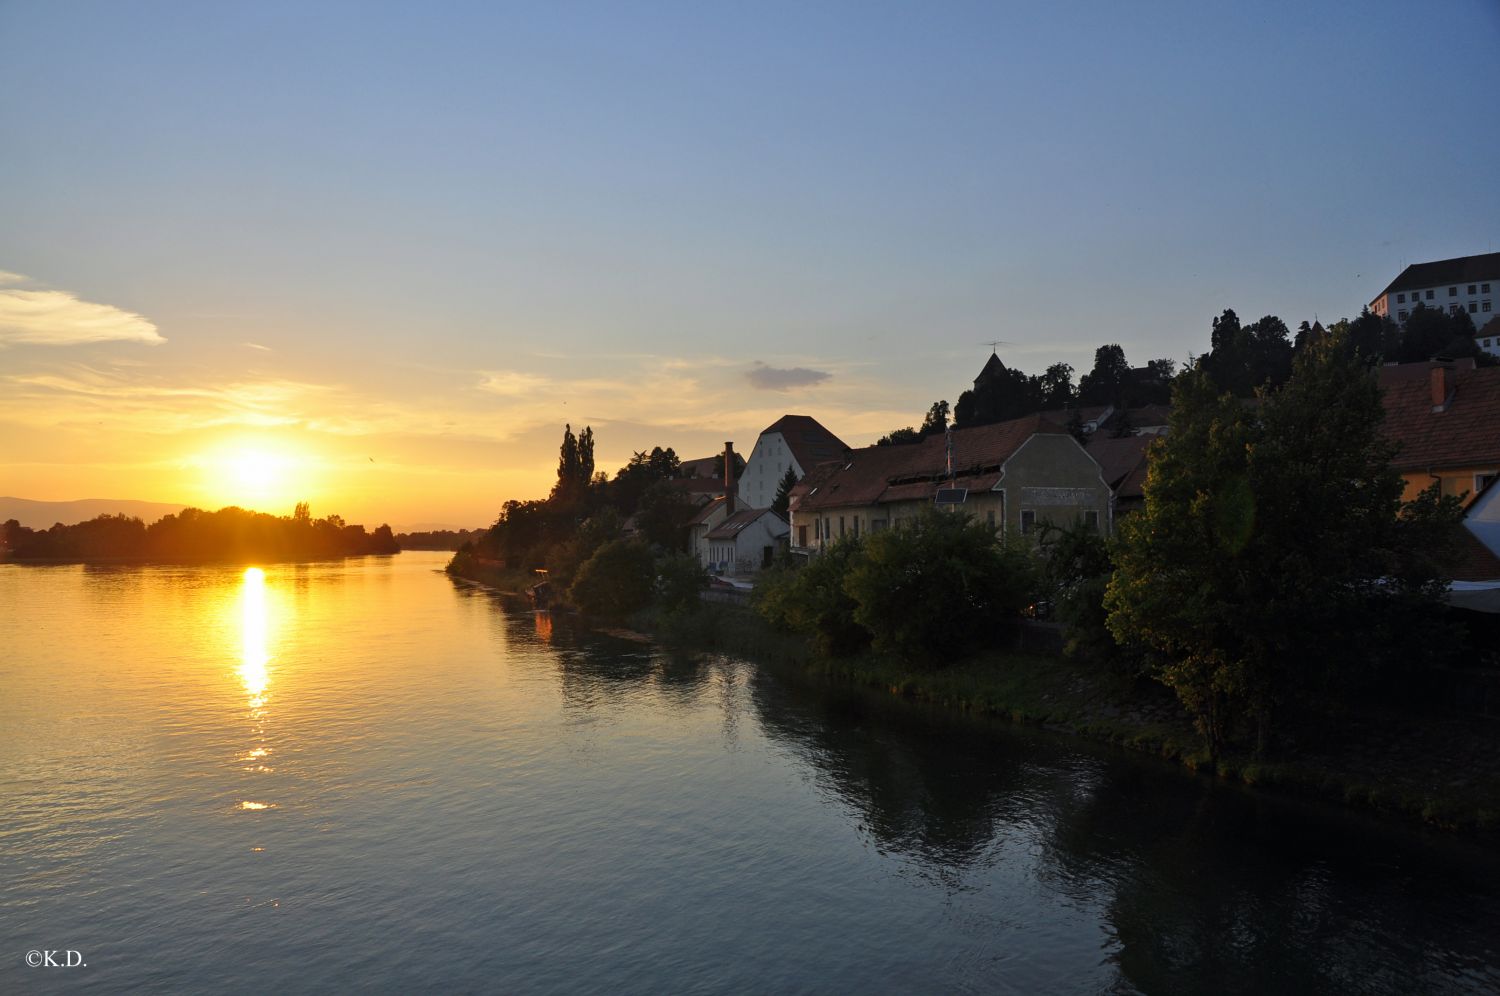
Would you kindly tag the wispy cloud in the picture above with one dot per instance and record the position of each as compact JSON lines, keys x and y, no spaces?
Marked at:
{"x":765,"y":378}
{"x":256,"y":345}
{"x":60,"y":318}
{"x":511,"y":383}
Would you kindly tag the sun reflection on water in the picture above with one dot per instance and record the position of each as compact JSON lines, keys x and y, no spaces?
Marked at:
{"x":255,"y":672}
{"x":254,"y":638}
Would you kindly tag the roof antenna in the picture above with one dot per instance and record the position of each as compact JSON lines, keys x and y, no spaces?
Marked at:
{"x":995,"y":344}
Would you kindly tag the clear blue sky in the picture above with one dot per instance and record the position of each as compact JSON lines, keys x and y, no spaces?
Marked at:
{"x":399,"y":204}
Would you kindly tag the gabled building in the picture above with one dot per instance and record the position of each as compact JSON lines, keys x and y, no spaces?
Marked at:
{"x":1444,"y":417}
{"x":796,"y":441}
{"x":745,"y":542}
{"x":1016,"y":476}
{"x":1466,"y":283}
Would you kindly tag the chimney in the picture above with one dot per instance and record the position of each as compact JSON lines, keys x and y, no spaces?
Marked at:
{"x":1442,"y":386}
{"x":728,"y":479}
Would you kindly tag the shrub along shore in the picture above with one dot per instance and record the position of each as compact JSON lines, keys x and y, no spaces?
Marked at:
{"x":1439,"y":771}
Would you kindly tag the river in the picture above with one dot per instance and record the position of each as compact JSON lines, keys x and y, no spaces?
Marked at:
{"x":365,"y":775}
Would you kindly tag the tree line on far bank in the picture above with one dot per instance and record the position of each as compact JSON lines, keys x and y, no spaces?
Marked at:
{"x":194,"y":534}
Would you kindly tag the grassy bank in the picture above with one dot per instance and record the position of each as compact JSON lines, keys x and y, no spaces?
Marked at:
{"x":1441,"y":771}
{"x":491,"y":573}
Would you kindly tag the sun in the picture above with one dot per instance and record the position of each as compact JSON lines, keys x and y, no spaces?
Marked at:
{"x":257,"y":470}
{"x":266,"y":476}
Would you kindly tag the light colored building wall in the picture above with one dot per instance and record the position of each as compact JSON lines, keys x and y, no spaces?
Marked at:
{"x":1054,"y":479}
{"x":764,"y":469}
{"x":746,"y":552}
{"x":698,"y":534}
{"x":1480,"y":303}
{"x":1483,"y":519}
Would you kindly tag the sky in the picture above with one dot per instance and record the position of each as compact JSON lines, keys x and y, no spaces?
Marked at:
{"x":375,"y":255}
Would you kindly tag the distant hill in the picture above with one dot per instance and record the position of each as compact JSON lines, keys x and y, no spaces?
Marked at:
{"x":42,"y":514}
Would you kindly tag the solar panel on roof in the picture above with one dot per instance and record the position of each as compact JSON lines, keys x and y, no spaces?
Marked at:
{"x":951,"y":496}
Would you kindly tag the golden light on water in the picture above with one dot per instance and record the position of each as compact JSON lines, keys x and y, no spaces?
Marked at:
{"x":254,"y":671}
{"x":254,"y":636}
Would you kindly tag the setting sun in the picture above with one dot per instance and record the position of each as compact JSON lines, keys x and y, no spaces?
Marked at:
{"x":263,"y":475}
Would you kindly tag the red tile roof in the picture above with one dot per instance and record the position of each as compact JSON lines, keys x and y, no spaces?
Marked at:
{"x":1465,"y":433}
{"x":1120,"y":459}
{"x":913,"y":472}
{"x":810,"y":443}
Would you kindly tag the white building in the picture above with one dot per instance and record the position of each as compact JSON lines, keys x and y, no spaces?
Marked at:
{"x":1488,"y":337}
{"x":745,"y":542}
{"x":795,"y":441}
{"x":1468,"y":283}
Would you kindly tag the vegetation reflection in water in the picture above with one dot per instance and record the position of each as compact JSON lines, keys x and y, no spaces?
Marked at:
{"x":254,"y":672}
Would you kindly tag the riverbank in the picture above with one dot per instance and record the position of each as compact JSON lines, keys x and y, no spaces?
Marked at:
{"x":1440,"y":771}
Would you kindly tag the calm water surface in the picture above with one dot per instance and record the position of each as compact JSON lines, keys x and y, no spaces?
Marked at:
{"x":366,"y":775}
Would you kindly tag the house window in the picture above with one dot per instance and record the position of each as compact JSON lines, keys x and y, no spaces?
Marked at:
{"x":1452,"y":309}
{"x":876,"y":525}
{"x":1401,"y":315}
{"x":1028,"y":521}
{"x":1484,"y":306}
{"x":801,"y":535}
{"x":1471,"y":288}
{"x":1429,"y":295}
{"x":841,"y":525}
{"x":1482,"y":481}
{"x":1400,"y":298}
{"x":1091,"y":519}
{"x":1484,"y":288}
{"x":856,"y":525}
{"x":1473,"y":307}
{"x":1453,"y":292}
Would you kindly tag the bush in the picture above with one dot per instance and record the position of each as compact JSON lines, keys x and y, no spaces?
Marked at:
{"x":937,"y":588}
{"x":1076,"y":569}
{"x":680,"y":579}
{"x":617,"y":580}
{"x":812,"y":600}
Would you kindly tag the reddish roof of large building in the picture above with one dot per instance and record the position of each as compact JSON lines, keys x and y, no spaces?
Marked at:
{"x":914,"y":471}
{"x":810,"y":443}
{"x":1465,"y":432}
{"x":1462,"y":269}
{"x":1123,"y":461}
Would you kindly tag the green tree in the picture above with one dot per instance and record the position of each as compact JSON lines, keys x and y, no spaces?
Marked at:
{"x":898,"y":437}
{"x":1261,"y":569}
{"x":617,"y":580}
{"x":782,"y":503}
{"x":1076,"y":569}
{"x":1107,"y":382}
{"x":936,"y":419}
{"x":1177,"y":588}
{"x":941,"y":586}
{"x":811,"y":600}
{"x":680,"y":580}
